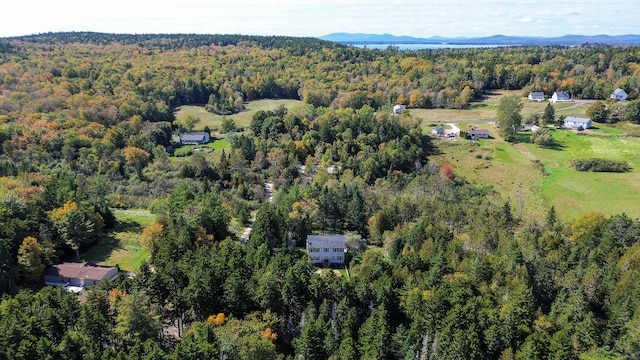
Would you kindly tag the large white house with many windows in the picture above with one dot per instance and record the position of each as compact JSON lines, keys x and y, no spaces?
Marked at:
{"x":326,"y":250}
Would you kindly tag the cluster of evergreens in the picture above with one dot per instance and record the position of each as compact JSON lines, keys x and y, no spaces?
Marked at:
{"x":600,"y":165}
{"x":437,"y":268}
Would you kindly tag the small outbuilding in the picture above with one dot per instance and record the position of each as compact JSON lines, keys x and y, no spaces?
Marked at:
{"x":326,"y":250}
{"x":398,"y":109}
{"x":619,"y":95}
{"x":560,"y":96}
{"x":195,"y":138}
{"x":536,"y":96}
{"x":438,"y":131}
{"x":571,"y":122}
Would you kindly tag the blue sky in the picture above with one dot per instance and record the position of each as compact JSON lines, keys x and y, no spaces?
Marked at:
{"x":420,"y":18}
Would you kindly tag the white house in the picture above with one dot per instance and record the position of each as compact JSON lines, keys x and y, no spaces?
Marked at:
{"x":398,"y":109}
{"x":194,"y":138}
{"x":560,"y":96}
{"x":571,"y":122}
{"x":619,"y":95}
{"x":536,"y":96}
{"x":326,"y":249}
{"x":79,"y":275}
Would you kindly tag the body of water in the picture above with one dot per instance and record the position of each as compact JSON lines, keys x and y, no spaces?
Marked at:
{"x":424,"y":46}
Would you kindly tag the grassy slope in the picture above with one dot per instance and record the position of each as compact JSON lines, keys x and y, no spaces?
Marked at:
{"x":511,"y":170}
{"x":121,"y":245}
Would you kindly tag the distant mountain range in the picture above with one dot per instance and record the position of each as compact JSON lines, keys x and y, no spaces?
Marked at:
{"x":363,"y":39}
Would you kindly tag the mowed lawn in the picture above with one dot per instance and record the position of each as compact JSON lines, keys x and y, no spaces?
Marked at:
{"x":121,"y":245}
{"x":241,"y":119}
{"x":534,"y":178}
{"x":574,"y":192}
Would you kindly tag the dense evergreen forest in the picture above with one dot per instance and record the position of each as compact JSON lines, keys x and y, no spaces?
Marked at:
{"x":438,"y":268}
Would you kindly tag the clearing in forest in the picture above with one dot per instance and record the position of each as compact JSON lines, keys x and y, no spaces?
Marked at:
{"x":121,"y":245}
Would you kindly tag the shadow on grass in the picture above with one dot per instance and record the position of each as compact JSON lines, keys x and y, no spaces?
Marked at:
{"x":129,"y":226}
{"x":101,"y":251}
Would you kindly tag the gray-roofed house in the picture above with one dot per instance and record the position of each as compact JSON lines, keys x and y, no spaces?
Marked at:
{"x":81,"y":275}
{"x":560,"y":96}
{"x":536,"y":96}
{"x":571,"y":122}
{"x":438,"y":131}
{"x":478,"y":133}
{"x":619,"y":95}
{"x":326,"y":250}
{"x":194,"y":138}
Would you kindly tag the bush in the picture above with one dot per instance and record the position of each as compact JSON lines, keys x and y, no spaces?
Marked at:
{"x":600,"y":165}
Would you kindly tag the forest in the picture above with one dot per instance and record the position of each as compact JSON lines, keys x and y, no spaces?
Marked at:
{"x":437,"y":267}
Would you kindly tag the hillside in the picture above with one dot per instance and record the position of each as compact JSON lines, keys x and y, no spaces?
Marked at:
{"x":453,"y":248}
{"x":565,"y":40}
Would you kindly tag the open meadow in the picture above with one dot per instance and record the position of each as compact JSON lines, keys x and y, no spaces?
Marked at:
{"x":121,"y":245}
{"x":241,"y":119}
{"x":534,"y":178}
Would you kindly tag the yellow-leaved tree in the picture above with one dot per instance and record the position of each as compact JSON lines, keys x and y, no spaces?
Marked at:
{"x":30,"y":256}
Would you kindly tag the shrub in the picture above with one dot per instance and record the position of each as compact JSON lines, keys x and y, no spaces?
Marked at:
{"x":600,"y":165}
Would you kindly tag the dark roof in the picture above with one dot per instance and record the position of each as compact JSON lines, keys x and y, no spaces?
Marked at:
{"x":561,"y":95}
{"x":537,"y":95}
{"x":196,"y":136}
{"x":473,"y":131}
{"x":88,"y":271}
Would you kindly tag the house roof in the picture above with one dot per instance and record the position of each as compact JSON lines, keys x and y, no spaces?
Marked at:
{"x":619,"y":91}
{"x":87,"y":271}
{"x":473,"y":131}
{"x":577,"y":120}
{"x":537,"y":95}
{"x":561,"y":95}
{"x":325,"y":240}
{"x":196,"y":136}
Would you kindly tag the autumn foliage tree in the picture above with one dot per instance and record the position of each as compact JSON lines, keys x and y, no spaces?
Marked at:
{"x":30,"y":258}
{"x":446,"y":172}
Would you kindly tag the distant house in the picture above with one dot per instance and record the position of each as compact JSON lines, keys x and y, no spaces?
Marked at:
{"x":535,"y":128}
{"x":571,"y":122}
{"x":194,"y":138}
{"x":398,"y":109}
{"x":560,"y":96}
{"x":536,"y":96}
{"x":438,"y":131}
{"x":477,"y":133}
{"x":79,"y":275}
{"x":326,"y":249}
{"x":619,"y":95}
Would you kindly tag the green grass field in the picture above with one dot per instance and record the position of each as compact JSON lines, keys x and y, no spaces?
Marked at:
{"x":121,"y":245}
{"x":241,"y":119}
{"x":537,"y":177}
{"x":515,"y":172}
